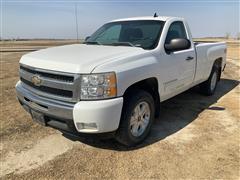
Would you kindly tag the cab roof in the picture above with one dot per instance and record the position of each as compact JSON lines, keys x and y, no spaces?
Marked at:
{"x":159,"y":18}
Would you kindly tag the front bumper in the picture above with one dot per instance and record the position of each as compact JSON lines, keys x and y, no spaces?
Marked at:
{"x":104,"y":115}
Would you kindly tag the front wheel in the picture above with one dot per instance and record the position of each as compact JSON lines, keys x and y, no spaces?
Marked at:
{"x":208,"y":87}
{"x":137,"y":117}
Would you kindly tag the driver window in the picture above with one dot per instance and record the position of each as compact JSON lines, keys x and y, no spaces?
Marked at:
{"x":176,"y":30}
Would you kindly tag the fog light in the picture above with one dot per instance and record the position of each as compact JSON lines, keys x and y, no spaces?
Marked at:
{"x":91,"y":126}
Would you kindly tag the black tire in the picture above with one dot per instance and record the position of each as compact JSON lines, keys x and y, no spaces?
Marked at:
{"x":206,"y":88}
{"x":131,"y":100}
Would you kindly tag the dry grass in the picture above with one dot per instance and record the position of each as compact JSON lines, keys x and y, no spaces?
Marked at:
{"x":195,"y":137}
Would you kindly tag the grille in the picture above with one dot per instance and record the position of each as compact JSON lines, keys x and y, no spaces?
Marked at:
{"x":49,"y":75}
{"x":53,"y":91}
{"x":61,"y":86}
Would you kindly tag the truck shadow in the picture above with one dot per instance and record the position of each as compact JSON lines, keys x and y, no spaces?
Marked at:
{"x":176,"y":113}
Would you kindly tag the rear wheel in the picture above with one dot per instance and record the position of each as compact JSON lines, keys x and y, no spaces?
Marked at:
{"x":208,"y":87}
{"x":137,"y":117}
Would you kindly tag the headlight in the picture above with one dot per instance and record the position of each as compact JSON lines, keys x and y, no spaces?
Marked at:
{"x":98,"y":86}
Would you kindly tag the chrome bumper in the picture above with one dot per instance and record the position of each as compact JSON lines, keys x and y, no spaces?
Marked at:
{"x":49,"y":107}
{"x":57,"y":114}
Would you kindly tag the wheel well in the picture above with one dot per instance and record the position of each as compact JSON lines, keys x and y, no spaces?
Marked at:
{"x":151,"y":86}
{"x":218,"y":65}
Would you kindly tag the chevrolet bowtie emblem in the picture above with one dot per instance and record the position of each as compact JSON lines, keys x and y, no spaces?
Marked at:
{"x":36,"y":80}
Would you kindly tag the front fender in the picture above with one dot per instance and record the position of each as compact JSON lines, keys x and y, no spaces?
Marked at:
{"x":132,"y":70}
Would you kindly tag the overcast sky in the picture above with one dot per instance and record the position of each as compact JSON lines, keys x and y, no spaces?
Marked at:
{"x":56,"y":19}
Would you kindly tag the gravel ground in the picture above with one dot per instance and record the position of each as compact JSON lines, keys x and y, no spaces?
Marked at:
{"x":196,"y":137}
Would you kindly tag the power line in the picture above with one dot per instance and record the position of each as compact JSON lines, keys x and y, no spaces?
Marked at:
{"x":76,"y":19}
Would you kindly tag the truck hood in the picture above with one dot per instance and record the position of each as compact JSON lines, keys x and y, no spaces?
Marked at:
{"x":77,"y":58}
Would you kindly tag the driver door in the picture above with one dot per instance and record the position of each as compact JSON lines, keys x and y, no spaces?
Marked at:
{"x":179,"y":65}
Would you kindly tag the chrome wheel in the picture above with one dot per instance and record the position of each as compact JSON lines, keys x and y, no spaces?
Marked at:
{"x":213,"y":81}
{"x":140,"y":118}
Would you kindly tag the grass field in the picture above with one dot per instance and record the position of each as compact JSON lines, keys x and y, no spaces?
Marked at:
{"x":195,"y":136}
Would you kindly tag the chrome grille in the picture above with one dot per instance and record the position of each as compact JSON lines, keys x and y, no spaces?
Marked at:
{"x":55,"y":85}
{"x":49,"y":75}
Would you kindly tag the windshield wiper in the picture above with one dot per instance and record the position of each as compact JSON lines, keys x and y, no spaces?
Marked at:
{"x":92,"y":42}
{"x":122,"y":44}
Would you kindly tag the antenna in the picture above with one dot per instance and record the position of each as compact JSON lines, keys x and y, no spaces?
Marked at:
{"x":76,"y":18}
{"x":155,"y":15}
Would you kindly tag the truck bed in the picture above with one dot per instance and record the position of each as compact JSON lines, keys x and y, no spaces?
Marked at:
{"x":206,"y":42}
{"x":206,"y":53}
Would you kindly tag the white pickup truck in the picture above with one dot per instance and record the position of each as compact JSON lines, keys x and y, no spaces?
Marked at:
{"x":115,"y":81}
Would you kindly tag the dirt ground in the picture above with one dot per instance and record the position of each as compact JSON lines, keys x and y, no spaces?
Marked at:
{"x":196,"y":137}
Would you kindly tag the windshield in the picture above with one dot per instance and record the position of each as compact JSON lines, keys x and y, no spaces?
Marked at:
{"x":144,"y":34}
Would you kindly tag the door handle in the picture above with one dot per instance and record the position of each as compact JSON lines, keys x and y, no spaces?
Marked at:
{"x":189,"y":58}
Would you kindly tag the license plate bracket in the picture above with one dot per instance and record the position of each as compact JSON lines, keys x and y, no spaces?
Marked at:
{"x":38,"y":117}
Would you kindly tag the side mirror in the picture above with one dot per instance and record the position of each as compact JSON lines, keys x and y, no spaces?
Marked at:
{"x":177,"y":45}
{"x":87,"y":38}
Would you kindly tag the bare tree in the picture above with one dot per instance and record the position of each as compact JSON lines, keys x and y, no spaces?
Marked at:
{"x":227,"y":35}
{"x":238,"y":36}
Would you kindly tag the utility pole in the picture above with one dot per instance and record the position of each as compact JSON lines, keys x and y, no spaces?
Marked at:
{"x":76,"y":18}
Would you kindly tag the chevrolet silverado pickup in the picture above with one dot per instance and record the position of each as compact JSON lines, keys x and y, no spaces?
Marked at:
{"x":115,"y":81}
